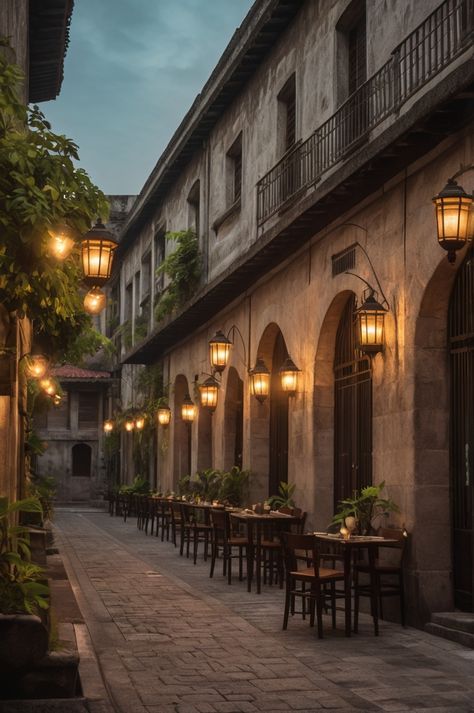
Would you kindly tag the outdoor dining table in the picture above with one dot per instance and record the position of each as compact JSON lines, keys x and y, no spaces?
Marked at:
{"x":348,"y":548}
{"x":254,"y":525}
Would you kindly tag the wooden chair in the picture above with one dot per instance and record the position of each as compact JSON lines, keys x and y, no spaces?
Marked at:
{"x":388,"y":574}
{"x":223,"y":537}
{"x":194,"y":530}
{"x":176,"y":521}
{"x":308,"y":582}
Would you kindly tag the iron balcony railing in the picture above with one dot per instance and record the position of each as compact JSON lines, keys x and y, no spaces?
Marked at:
{"x":436,"y":42}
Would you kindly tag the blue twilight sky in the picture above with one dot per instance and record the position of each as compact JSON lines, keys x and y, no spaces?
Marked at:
{"x":132,"y":70}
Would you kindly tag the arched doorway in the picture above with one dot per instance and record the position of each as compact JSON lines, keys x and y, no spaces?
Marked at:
{"x":278,"y":454}
{"x":233,"y":420}
{"x":461,"y":452}
{"x":182,"y":433}
{"x":352,"y":411}
{"x":204,"y":444}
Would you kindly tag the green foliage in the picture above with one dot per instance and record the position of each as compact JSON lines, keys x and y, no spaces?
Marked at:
{"x":87,"y":343}
{"x":234,"y":487}
{"x":284,"y":497}
{"x":43,"y":487}
{"x":140,"y":485}
{"x":21,"y":592}
{"x":365,"y":507}
{"x":140,"y":327}
{"x":183,"y":267}
{"x":33,"y":443}
{"x":206,"y":484}
{"x":40,"y":187}
{"x":184,"y":486}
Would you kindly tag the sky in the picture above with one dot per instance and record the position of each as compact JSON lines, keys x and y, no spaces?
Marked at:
{"x":132,"y":70}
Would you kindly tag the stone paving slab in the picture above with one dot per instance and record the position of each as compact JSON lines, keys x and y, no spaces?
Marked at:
{"x":170,"y":639}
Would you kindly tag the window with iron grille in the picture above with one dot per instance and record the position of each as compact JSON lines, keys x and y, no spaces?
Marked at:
{"x":343,"y":261}
{"x":159,"y":245}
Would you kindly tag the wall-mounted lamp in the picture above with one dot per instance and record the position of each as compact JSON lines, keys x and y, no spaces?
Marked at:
{"x":188,"y":409}
{"x":259,"y":380}
{"x":140,"y":422}
{"x":97,"y":252}
{"x":220,"y":346}
{"x":454,"y":215}
{"x":62,"y":241}
{"x":289,"y":376}
{"x":48,"y":386}
{"x":129,"y":425}
{"x":164,"y":415}
{"x":209,"y":392}
{"x":36,"y":365}
{"x":370,"y":324}
{"x":94,"y":301}
{"x":108,"y":426}
{"x":57,"y":398}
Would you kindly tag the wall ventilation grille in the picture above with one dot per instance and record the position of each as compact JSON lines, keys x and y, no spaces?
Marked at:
{"x":344,"y":260}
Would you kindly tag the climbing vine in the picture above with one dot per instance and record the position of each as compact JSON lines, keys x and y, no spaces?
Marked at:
{"x":183,"y":267}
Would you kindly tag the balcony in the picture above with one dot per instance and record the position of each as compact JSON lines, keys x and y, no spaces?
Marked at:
{"x":432,"y":46}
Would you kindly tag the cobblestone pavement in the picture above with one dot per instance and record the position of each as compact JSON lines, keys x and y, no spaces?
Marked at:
{"x":170,"y":639}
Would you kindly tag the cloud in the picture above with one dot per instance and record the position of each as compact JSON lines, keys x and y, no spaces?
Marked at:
{"x":132,"y":70}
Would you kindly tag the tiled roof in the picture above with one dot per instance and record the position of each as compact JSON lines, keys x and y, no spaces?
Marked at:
{"x":68,"y":371}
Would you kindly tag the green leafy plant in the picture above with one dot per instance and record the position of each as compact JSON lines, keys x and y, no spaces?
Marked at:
{"x":183,"y":267}
{"x":365,"y":507}
{"x":140,"y":486}
{"x":21,"y":592}
{"x":284,"y":497}
{"x":140,"y":327}
{"x":206,"y":484}
{"x":184,"y":486}
{"x":40,"y":187}
{"x":43,"y":487}
{"x":234,"y":487}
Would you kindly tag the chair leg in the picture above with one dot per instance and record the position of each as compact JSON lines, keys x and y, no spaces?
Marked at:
{"x":228,"y":556}
{"x":213,"y":557}
{"x":188,"y":541}
{"x":287,"y":602}
{"x":241,"y":574}
{"x":402,"y":598}
{"x":333,"y":604}
{"x":206,"y":544}
{"x":319,"y":611}
{"x":195,"y":545}
{"x":356,"y":601}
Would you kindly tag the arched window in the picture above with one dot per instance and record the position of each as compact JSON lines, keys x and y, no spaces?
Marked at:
{"x":352,"y":411}
{"x":81,"y":460}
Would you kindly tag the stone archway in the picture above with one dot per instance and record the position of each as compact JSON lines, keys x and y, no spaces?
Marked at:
{"x":268,"y":435}
{"x":204,"y":439}
{"x":233,"y":420}
{"x":181,"y":432}
{"x":324,"y":411}
{"x":430,"y":574}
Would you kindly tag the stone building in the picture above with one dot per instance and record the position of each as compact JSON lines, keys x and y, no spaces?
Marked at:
{"x":310,"y":159}
{"x":73,"y":434}
{"x":38,"y":35}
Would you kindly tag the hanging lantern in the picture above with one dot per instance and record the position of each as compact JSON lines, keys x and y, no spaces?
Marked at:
{"x":57,"y":398}
{"x":219,"y":351}
{"x":62,"y":241}
{"x":36,"y":365}
{"x":140,"y":422}
{"x":164,"y":415}
{"x":108,"y":426}
{"x":453,"y":218}
{"x":260,"y":381}
{"x":129,"y":424}
{"x":209,"y":392}
{"x":48,"y":386}
{"x":188,"y":409}
{"x":97,"y":250}
{"x":289,"y":376}
{"x":94,"y":301}
{"x":370,"y":325}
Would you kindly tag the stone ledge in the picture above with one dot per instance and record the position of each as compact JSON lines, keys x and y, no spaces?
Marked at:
{"x":460,"y":637}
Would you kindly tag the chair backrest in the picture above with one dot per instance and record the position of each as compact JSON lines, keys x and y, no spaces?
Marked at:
{"x":293,"y":546}
{"x":220,"y":522}
{"x":392,"y":553}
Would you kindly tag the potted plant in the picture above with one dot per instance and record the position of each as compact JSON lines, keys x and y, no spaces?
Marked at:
{"x":234,"y":487}
{"x":284,"y":497}
{"x":365,"y":507}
